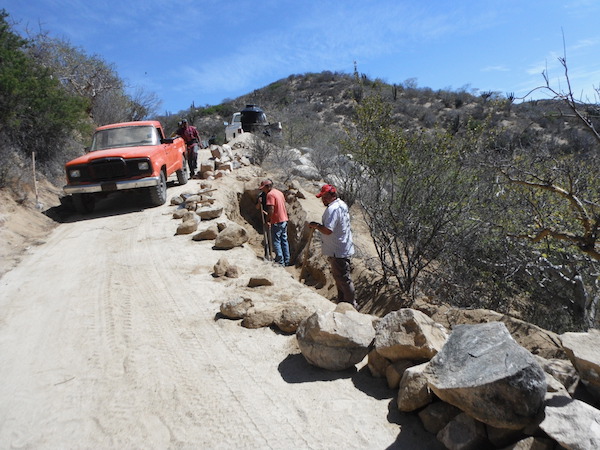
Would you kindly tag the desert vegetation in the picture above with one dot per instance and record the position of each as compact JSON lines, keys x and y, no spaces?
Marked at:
{"x":476,"y":199}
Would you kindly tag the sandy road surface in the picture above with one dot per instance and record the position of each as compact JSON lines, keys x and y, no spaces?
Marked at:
{"x":109,"y":339}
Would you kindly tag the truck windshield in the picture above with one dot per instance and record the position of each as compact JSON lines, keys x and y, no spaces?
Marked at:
{"x":124,"y":137}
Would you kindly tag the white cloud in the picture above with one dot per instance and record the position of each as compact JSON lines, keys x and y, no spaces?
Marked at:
{"x":499,"y":68}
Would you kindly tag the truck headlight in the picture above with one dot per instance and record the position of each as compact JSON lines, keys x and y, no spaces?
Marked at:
{"x":143,"y":166}
{"x":75,"y":173}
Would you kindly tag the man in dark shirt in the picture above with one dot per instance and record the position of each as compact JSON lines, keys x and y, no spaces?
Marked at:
{"x":191,"y":137}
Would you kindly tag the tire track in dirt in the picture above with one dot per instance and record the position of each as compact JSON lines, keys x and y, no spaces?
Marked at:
{"x":115,"y":345}
{"x":225,"y":376}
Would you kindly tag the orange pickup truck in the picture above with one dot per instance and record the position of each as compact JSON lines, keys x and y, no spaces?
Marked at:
{"x":129,"y":155}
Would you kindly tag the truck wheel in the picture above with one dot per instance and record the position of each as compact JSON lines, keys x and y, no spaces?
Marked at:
{"x":158,"y":194}
{"x":84,"y":203}
{"x":183,"y":174}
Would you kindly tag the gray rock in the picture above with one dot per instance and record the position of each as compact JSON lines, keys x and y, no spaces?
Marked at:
{"x":572,"y":423}
{"x":306,"y":172}
{"x":259,"y":281}
{"x":210,"y":212}
{"x":236,"y":308}
{"x":501,"y":437}
{"x":208,"y":234}
{"x":395,"y":370}
{"x":408,"y":334}
{"x":179,"y":213}
{"x":463,"y":433}
{"x":378,"y":364}
{"x":532,"y":443}
{"x":413,"y":391}
{"x":221,"y":267}
{"x":561,"y":370}
{"x":261,"y":316}
{"x":291,"y":316}
{"x":583,"y":349}
{"x":189,"y":215}
{"x":484,"y":372}
{"x":436,"y":416}
{"x":187,"y":227}
{"x":207,"y":166}
{"x":233,"y":272}
{"x":335,"y":340}
{"x":176,"y":200}
{"x":233,"y":236}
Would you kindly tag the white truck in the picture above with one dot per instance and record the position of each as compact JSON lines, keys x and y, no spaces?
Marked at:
{"x":251,"y":119}
{"x":234,"y":128}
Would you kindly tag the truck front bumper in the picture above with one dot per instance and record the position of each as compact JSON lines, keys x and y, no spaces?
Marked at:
{"x":111,"y":186}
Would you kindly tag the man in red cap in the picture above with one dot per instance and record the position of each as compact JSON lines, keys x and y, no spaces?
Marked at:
{"x":277,"y":218}
{"x":336,"y":242}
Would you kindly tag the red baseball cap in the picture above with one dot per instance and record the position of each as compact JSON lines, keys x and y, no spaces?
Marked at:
{"x":327,"y":188}
{"x":264,"y":183}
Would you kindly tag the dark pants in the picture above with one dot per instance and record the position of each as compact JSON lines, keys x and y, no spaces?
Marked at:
{"x":192,"y":157}
{"x":340,"y":269}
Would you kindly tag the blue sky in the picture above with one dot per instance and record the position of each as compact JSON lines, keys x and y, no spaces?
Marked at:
{"x":205,"y":51}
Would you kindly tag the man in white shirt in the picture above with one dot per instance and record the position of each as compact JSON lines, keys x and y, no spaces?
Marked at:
{"x":336,"y":242}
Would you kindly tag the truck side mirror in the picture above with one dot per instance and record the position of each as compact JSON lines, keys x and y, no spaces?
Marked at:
{"x":168,"y":140}
{"x":225,"y":123}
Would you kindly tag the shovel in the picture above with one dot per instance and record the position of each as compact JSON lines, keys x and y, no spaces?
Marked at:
{"x":266,"y":235}
{"x":306,"y":249}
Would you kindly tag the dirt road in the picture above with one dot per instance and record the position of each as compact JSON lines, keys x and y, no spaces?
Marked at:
{"x":109,"y":338}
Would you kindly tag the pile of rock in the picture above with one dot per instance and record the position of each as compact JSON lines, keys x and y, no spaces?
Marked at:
{"x":195,"y":207}
{"x":475,"y":387}
{"x":222,"y":161}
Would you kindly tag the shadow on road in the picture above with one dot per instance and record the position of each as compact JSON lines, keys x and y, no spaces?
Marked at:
{"x":114,"y":204}
{"x":295,"y":369}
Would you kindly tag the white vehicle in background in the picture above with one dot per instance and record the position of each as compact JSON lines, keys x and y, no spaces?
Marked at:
{"x":251,"y":119}
{"x":234,"y":128}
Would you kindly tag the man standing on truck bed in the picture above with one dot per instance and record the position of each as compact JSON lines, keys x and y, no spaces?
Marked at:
{"x":191,"y":137}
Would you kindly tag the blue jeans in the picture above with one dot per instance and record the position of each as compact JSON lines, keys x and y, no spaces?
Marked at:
{"x":280,"y":243}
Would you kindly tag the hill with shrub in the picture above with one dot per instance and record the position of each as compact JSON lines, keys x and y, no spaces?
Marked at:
{"x":474,"y":199}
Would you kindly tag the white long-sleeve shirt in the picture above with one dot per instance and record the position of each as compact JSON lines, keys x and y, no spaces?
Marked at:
{"x":339,"y":242}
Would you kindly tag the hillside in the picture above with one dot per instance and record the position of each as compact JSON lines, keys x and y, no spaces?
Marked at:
{"x":320,"y":107}
{"x":532,"y":141}
{"x":319,"y":116}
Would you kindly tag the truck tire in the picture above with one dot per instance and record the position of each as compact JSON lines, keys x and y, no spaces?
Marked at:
{"x":183,"y":174}
{"x":84,"y":203}
{"x":158,"y":194}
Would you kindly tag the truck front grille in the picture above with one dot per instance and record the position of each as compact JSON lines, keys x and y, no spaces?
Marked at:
{"x":109,"y":169}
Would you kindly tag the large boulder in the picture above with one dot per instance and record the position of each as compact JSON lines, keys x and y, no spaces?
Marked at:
{"x":535,"y":339}
{"x":292,"y":316}
{"x":188,"y":226}
{"x":572,"y":423}
{"x":335,"y":340}
{"x":210,"y":212}
{"x":236,"y":308}
{"x":485,"y":373}
{"x":233,"y":236}
{"x":207,"y":234}
{"x":583,"y":351}
{"x":413,"y":391}
{"x":408,"y":334}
